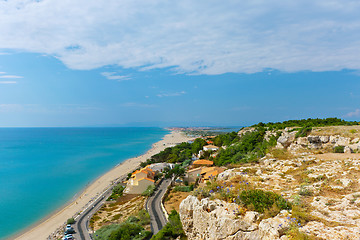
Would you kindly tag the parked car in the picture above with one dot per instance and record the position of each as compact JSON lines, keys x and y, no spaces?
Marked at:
{"x":69,"y":231}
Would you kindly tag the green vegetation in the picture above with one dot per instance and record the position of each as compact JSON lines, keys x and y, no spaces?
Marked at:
{"x":259,"y":200}
{"x":303,"y":132}
{"x":149,"y":191}
{"x":226,"y":139}
{"x":317,"y":122}
{"x":178,"y":153}
{"x":70,"y":221}
{"x":117,"y":192}
{"x":339,"y":149}
{"x":249,"y":148}
{"x":131,"y":229}
{"x":178,"y":170}
{"x":172,"y":230}
{"x":184,"y":188}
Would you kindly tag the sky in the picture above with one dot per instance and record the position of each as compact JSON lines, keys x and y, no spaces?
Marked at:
{"x":177,"y":63}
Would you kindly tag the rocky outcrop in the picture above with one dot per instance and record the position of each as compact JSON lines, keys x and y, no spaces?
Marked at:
{"x":216,"y":219}
{"x":245,"y":130}
{"x":286,"y":139}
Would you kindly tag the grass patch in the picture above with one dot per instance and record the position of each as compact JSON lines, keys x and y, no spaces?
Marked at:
{"x":183,"y":188}
{"x":281,"y":154}
{"x":149,"y":191}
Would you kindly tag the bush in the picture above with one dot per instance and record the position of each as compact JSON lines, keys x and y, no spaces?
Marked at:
{"x":70,"y":221}
{"x":149,"y":191}
{"x":183,"y":188}
{"x":104,"y":232}
{"x":339,"y":149}
{"x":303,"y":132}
{"x":172,"y":230}
{"x":129,"y":231}
{"x":260,"y":200}
{"x":117,"y":192}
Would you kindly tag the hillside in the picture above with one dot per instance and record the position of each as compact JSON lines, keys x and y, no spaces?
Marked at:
{"x":299,"y":188}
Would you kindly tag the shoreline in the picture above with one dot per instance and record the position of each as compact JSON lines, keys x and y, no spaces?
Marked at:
{"x":49,"y":224}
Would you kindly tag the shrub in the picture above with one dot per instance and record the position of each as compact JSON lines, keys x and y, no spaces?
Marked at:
{"x":183,"y":188}
{"x":128,"y":231}
{"x":70,"y":221}
{"x":305,"y":191}
{"x":144,"y":217}
{"x":303,"y":132}
{"x":117,"y":192}
{"x":149,"y":191}
{"x":172,"y":230}
{"x":260,"y":200}
{"x":104,"y":232}
{"x":339,"y":149}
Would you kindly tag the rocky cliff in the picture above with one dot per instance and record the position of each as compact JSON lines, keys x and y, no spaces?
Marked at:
{"x":212,"y":220}
{"x":324,"y":190}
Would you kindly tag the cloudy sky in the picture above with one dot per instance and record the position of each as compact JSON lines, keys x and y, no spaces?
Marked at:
{"x":102,"y":63}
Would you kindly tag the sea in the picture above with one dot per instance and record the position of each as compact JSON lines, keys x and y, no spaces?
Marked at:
{"x":42,"y":169}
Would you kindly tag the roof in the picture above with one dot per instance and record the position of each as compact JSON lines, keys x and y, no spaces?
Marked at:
{"x":212,"y":173}
{"x":149,"y":169}
{"x":211,"y":169}
{"x":207,"y":169}
{"x":203,"y":162}
{"x":211,"y":146}
{"x":195,"y":169}
{"x":148,"y":179}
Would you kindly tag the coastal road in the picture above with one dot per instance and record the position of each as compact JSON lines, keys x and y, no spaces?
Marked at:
{"x":153,"y":205}
{"x":81,"y":225}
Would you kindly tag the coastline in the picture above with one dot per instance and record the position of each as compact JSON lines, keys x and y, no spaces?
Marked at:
{"x":48,"y":225}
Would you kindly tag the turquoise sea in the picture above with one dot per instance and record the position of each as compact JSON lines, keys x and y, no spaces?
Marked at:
{"x":41,"y":169}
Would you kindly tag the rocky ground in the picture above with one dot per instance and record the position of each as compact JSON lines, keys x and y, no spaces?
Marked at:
{"x":324,"y":188}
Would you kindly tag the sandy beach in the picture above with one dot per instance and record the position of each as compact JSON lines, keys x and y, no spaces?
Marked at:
{"x":47,"y":226}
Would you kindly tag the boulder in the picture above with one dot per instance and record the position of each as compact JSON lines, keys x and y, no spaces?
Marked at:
{"x":287,"y":138}
{"x":216,"y":219}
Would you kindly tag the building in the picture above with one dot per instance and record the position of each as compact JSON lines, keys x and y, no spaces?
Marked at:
{"x":140,"y":180}
{"x":192,"y":175}
{"x":210,"y":148}
{"x":159,"y":167}
{"x":202,"y":163}
{"x":210,"y":172}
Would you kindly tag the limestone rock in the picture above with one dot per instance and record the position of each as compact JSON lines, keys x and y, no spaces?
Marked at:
{"x":286,"y":138}
{"x":347,"y":149}
{"x":216,"y":219}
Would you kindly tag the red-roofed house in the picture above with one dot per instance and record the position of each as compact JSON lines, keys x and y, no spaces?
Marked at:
{"x":140,"y":180}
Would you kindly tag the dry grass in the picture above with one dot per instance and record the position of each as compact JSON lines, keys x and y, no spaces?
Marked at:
{"x":281,"y":154}
{"x":117,"y":212}
{"x":174,"y":199}
{"x":344,"y":131}
{"x":337,"y":156}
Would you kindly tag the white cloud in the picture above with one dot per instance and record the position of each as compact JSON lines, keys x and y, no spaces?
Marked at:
{"x":10,"y":76}
{"x":355,"y":113}
{"x":8,"y":82}
{"x":205,"y":36}
{"x":115,"y":76}
{"x":174,"y":94}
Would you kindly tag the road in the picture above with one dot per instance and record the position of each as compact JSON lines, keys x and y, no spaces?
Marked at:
{"x":157,"y":217}
{"x":153,"y":205}
{"x":81,"y":225}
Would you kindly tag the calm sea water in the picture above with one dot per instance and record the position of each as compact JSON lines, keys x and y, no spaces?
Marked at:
{"x":41,"y":169}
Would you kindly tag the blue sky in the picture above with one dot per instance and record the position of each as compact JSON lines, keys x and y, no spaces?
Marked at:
{"x":160,"y":63}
